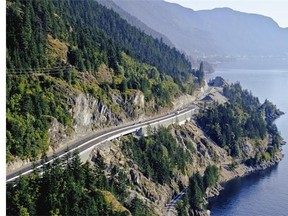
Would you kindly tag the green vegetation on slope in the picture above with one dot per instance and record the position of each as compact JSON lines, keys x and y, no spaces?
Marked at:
{"x":231,"y":123}
{"x":80,"y":189}
{"x":157,"y":155}
{"x":79,"y":46}
{"x":93,"y":34}
{"x":198,"y":185}
{"x":77,"y":189}
{"x":31,"y":104}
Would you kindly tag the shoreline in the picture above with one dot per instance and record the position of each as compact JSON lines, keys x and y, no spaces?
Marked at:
{"x":240,"y":171}
{"x":213,"y":193}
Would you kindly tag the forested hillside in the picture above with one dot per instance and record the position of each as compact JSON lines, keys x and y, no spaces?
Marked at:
{"x":59,"y":48}
{"x":76,"y":190}
{"x":103,"y":189}
{"x":92,"y":34}
{"x":134,"y":21}
{"x":241,"y":120}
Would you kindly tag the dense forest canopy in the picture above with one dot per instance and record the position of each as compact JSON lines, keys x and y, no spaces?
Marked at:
{"x":77,"y":189}
{"x":158,"y":155}
{"x":93,"y":33}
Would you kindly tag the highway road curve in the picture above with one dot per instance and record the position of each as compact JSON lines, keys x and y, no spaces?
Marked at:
{"x":88,"y":143}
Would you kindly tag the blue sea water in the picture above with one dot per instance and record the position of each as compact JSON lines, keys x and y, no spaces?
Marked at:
{"x":264,"y":193}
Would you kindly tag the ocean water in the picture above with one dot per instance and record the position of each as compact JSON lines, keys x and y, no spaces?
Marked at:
{"x":264,"y":193}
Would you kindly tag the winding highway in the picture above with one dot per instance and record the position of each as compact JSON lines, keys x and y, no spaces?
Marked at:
{"x":87,"y":144}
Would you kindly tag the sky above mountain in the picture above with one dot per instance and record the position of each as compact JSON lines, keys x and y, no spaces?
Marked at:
{"x":276,"y":9}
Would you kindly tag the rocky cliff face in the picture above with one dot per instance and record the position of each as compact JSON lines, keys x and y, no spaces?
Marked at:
{"x":90,"y":114}
{"x":139,"y":186}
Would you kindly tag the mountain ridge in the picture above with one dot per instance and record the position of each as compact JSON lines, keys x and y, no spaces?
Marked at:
{"x":220,"y":31}
{"x":134,"y":21}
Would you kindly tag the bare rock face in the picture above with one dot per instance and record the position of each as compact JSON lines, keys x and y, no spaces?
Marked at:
{"x":247,"y":149}
{"x":56,"y":133}
{"x":136,"y":98}
{"x":135,"y":177}
{"x":183,"y":101}
{"x":88,"y":114}
{"x":83,"y":112}
{"x":199,"y":212}
{"x":214,"y":191}
{"x":134,"y":104}
{"x":218,"y":82}
{"x":139,"y":99}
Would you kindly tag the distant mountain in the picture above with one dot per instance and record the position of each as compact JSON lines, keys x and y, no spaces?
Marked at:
{"x":173,"y":21}
{"x":134,"y":21}
{"x":240,"y":33}
{"x":221,"y":31}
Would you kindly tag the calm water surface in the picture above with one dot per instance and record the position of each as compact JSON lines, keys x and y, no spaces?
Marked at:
{"x":264,"y":193}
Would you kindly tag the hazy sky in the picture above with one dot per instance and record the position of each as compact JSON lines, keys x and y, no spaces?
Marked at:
{"x":276,"y":9}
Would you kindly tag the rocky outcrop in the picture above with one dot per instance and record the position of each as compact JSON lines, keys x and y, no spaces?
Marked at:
{"x":134,"y":104}
{"x":214,"y":191}
{"x":199,"y":212}
{"x":218,"y":82}
{"x":90,"y":114}
{"x":183,"y":101}
{"x":57,"y":133}
{"x":155,"y":195}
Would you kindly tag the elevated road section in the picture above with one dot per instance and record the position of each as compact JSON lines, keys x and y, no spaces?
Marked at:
{"x":86,"y":145}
